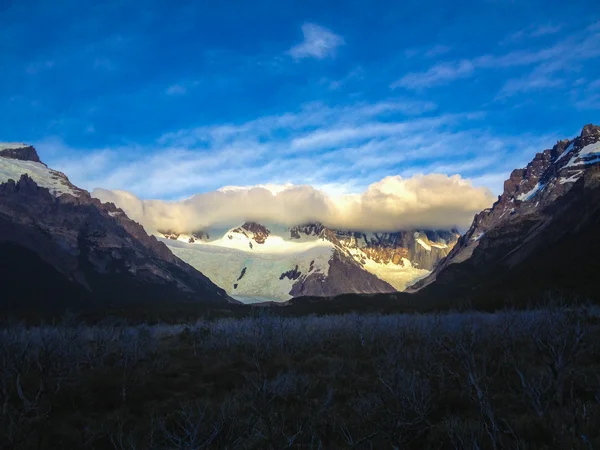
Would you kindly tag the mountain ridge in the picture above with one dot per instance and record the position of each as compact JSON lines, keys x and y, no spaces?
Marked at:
{"x":530,"y":215}
{"x":103,"y":256}
{"x":323,"y":261}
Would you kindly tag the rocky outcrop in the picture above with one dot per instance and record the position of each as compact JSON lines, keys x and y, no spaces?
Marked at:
{"x":22,"y":153}
{"x":293,"y":274}
{"x":254,"y":231}
{"x":94,"y":249}
{"x":344,"y":276}
{"x":423,"y":249}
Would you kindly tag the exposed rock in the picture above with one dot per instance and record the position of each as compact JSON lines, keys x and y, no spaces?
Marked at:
{"x":384,"y":248}
{"x":345,"y":276}
{"x":25,"y":153}
{"x":254,"y":231}
{"x":293,"y":274}
{"x":170,"y":234}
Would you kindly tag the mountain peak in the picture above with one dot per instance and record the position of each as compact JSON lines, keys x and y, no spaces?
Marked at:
{"x":20,"y":151}
{"x":531,"y":194}
{"x":590,"y":130}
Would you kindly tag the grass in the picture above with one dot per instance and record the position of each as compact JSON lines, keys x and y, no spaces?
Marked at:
{"x":512,"y":379}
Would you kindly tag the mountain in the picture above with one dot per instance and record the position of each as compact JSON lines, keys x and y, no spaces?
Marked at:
{"x":256,"y":262}
{"x":60,"y":247}
{"x":541,"y":234}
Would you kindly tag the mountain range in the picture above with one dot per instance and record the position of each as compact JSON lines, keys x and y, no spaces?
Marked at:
{"x":255,"y":262}
{"x":61,"y":247}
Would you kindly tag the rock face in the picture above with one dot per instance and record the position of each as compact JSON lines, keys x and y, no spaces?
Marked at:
{"x":254,"y":231}
{"x":542,"y":230}
{"x":344,"y":276}
{"x":280,"y":262}
{"x":85,"y":253}
{"x":422,"y":249}
{"x":21,"y":152}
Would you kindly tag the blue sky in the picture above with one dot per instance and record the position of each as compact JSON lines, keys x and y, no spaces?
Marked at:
{"x":174,"y":98}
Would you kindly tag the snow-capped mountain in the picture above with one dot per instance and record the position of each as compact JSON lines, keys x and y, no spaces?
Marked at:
{"x":256,"y":262}
{"x":543,"y":228}
{"x":61,"y":247}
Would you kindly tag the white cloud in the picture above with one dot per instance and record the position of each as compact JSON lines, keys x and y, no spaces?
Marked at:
{"x":393,"y":203}
{"x":319,"y":43}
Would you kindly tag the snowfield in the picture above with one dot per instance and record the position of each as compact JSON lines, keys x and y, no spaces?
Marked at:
{"x":55,"y":182}
{"x":252,"y":272}
{"x":398,"y":276}
{"x":223,"y":261}
{"x":12,"y":145}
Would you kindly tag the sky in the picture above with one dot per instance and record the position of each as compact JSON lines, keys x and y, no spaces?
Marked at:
{"x":170,"y":99}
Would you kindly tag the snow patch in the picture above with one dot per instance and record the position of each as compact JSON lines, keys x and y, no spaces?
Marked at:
{"x":592,"y":150}
{"x":55,"y":182}
{"x":567,"y":150}
{"x":572,"y":179}
{"x":400,"y":277}
{"x":424,"y":245}
{"x":530,"y":194}
{"x":12,"y":145}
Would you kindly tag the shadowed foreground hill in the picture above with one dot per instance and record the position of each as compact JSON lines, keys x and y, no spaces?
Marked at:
{"x":61,"y":248}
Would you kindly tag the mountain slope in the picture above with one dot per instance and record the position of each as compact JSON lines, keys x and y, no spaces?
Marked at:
{"x":85,"y":253}
{"x":255,"y":262}
{"x":541,"y":234}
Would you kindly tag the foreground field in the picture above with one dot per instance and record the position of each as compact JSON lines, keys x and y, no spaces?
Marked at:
{"x":515,"y":379}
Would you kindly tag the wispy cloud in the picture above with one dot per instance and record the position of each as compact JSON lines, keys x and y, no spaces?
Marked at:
{"x":352,"y":145}
{"x":437,"y":50}
{"x":319,"y":42}
{"x":176,"y":89}
{"x":542,"y":77}
{"x":103,"y":63}
{"x":428,"y":52}
{"x":39,"y":66}
{"x":533,"y":31}
{"x":437,"y":75}
{"x":555,"y":58}
{"x":587,"y":95}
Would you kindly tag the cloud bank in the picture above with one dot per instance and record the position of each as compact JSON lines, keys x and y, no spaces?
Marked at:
{"x":433,"y":201}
